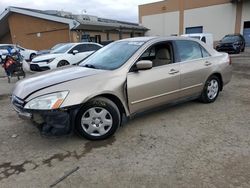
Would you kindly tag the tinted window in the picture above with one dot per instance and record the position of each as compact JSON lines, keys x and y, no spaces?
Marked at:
{"x":86,"y":47}
{"x":80,"y":48}
{"x":5,"y":47}
{"x":231,"y":38}
{"x":93,"y":47}
{"x":203,"y":39}
{"x":188,"y":50}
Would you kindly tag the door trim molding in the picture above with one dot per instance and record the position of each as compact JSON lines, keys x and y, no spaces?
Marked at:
{"x":164,"y":94}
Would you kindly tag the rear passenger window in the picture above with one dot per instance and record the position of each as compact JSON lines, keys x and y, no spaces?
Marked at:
{"x":188,"y":50}
{"x":204,"y":52}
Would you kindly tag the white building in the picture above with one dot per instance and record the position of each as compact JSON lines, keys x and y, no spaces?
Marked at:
{"x":176,"y":17}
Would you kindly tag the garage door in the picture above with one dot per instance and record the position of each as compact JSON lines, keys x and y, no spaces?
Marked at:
{"x":190,"y":30}
{"x":246,"y":33}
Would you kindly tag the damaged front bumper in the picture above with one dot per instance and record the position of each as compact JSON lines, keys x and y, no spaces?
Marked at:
{"x":51,"y":122}
{"x":18,"y":105}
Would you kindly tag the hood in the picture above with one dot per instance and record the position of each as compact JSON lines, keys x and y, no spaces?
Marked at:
{"x":40,"y":81}
{"x":45,"y":57}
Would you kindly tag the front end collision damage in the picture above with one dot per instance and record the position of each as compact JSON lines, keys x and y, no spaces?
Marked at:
{"x":49,"y":122}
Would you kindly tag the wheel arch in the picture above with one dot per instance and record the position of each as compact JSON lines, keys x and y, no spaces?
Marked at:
{"x":218,"y":75}
{"x":114,"y":99}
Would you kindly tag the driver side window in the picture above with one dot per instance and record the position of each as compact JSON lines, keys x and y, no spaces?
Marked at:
{"x":160,"y":54}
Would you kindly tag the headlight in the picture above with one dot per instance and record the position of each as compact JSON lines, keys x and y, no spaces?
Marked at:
{"x":50,"y":60}
{"x":47,"y":102}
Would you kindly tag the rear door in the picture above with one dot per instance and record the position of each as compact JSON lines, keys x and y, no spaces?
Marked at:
{"x":195,"y":66}
{"x":156,"y":86}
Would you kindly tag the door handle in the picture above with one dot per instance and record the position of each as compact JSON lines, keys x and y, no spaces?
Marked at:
{"x":207,"y":63}
{"x":173,"y":71}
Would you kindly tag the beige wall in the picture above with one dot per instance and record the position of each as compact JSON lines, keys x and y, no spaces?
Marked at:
{"x":31,"y":32}
{"x":175,"y":5}
{"x":162,"y":24}
{"x":218,"y":19}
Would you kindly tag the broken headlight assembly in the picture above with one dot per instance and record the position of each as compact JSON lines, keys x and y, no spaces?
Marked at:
{"x":50,"y":101}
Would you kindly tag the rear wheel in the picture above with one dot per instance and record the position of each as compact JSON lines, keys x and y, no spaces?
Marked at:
{"x":211,"y":90}
{"x":98,"y":119}
{"x":62,"y":63}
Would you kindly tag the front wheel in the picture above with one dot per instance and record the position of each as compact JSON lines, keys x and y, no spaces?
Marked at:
{"x":62,"y":63}
{"x":98,"y":119}
{"x":32,"y":56}
{"x":211,"y":90}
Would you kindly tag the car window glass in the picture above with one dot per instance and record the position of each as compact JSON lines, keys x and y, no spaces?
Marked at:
{"x":188,"y":50}
{"x":203,"y":39}
{"x":80,"y":48}
{"x":4,"y":47}
{"x":113,"y":55}
{"x":160,"y":54}
{"x":93,"y":47}
{"x":204,"y":52}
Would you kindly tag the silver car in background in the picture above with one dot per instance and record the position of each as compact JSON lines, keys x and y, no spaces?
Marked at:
{"x":123,"y":78}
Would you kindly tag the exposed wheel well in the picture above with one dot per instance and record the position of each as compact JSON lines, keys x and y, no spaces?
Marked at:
{"x":218,"y":75}
{"x":58,"y":64}
{"x":116,"y":100}
{"x":32,"y":55}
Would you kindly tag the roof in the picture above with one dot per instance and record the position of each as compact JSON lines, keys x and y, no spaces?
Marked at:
{"x":75,"y":22}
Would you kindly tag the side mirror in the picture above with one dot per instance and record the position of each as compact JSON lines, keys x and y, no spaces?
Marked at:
{"x":75,"y":52}
{"x":144,"y":65}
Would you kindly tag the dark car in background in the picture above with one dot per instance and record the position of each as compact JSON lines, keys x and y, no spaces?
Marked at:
{"x":234,"y":43}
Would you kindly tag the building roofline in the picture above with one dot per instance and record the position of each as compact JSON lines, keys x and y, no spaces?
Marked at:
{"x":72,"y":23}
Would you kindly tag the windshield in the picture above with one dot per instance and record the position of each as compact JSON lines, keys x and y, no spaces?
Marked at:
{"x":62,"y":49}
{"x":112,"y":56}
{"x":57,"y":46}
{"x":230,"y":38}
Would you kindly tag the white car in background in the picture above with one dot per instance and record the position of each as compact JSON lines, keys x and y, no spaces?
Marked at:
{"x":204,"y":37}
{"x":68,"y":54}
{"x":28,"y":54}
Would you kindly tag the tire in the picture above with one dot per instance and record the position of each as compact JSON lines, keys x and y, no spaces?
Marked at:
{"x":62,"y":63}
{"x":243,"y":49}
{"x":238,"y":51}
{"x":91,"y":117}
{"x":32,"y":56}
{"x":211,"y":90}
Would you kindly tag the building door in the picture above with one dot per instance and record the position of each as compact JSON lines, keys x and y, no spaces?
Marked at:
{"x":190,"y":30}
{"x":246,"y":33}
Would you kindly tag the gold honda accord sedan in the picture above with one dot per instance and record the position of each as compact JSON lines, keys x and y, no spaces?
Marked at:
{"x":121,"y":79}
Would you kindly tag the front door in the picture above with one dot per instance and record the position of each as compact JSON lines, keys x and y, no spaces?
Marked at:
{"x":156,"y":86}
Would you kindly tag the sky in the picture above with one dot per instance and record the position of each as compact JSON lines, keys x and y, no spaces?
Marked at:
{"x":124,"y":10}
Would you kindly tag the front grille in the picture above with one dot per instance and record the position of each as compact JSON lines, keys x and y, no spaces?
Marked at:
{"x":35,"y":67}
